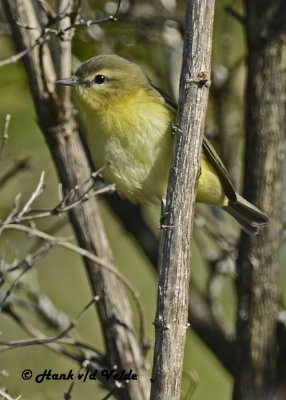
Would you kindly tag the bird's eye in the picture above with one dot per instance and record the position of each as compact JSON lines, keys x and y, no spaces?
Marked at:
{"x":99,"y":79}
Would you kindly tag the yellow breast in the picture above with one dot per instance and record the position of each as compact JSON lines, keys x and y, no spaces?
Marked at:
{"x":133,"y":137}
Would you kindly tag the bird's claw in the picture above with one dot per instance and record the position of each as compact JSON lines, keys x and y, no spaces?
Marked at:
{"x":163,"y":226}
{"x":176,"y":129}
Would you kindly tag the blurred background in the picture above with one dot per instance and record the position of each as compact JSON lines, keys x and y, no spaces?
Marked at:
{"x":150,"y":34}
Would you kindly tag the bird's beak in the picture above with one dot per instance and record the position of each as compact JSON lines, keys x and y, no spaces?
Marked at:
{"x":72,"y":81}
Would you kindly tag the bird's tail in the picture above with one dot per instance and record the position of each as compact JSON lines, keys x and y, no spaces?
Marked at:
{"x":249,"y":217}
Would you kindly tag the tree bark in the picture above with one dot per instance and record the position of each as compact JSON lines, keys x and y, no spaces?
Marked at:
{"x":55,"y":117}
{"x":172,"y":302}
{"x":258,"y":261}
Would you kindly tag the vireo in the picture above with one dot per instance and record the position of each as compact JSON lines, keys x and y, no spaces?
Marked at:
{"x":128,"y":123}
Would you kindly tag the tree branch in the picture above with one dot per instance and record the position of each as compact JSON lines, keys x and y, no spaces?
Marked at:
{"x":172,"y":303}
{"x":258,"y":261}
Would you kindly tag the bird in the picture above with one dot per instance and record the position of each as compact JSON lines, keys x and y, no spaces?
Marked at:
{"x":128,"y":123}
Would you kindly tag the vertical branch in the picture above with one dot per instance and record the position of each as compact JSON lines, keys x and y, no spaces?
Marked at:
{"x":172,"y":302}
{"x":258,"y":262}
{"x":61,"y":53}
{"x":55,"y":117}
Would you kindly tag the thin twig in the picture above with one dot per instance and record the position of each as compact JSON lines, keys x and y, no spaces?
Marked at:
{"x":28,"y":214}
{"x":36,"y":193}
{"x":193,"y":379}
{"x":96,"y":360}
{"x":29,"y":342}
{"x":12,"y":213}
{"x":16,"y":57}
{"x":118,"y":385}
{"x":86,"y":349}
{"x":6,"y":395}
{"x":48,"y":32}
{"x":99,"y":261}
{"x":28,"y":262}
{"x":84,"y":365}
{"x":82,"y":23}
{"x":64,"y":13}
{"x":58,"y":210}
{"x":117,"y":11}
{"x":41,"y":305}
{"x":5,"y":134}
{"x":54,"y":228}
{"x":45,"y":6}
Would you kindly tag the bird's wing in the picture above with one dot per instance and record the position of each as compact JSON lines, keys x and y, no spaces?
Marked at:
{"x":171,"y":103}
{"x":210,"y":153}
{"x":220,"y":169}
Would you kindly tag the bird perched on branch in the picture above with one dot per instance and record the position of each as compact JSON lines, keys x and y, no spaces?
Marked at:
{"x":128,"y":123}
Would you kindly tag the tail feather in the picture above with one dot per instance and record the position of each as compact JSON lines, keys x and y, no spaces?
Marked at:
{"x":247,"y":215}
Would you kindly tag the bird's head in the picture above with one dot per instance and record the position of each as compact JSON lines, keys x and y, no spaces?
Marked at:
{"x":105,"y":80}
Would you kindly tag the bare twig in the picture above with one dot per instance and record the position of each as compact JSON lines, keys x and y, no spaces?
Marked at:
{"x":60,"y":208}
{"x":193,"y":379}
{"x":67,"y":394}
{"x":84,"y":348}
{"x":40,"y":305}
{"x":65,"y":205}
{"x":104,"y":264}
{"x":39,"y":189}
{"x":95,"y":360}
{"x":45,"y":6}
{"x":28,"y":262}
{"x":5,"y":134}
{"x":16,"y":57}
{"x":30,"y":342}
{"x":6,"y":395}
{"x":52,"y":230}
{"x":84,"y":23}
{"x":116,"y":387}
{"x":12,"y":213}
{"x":49,"y":31}
{"x":117,"y":10}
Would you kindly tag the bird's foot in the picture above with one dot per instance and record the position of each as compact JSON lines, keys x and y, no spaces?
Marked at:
{"x":164,"y":214}
{"x":175,"y":129}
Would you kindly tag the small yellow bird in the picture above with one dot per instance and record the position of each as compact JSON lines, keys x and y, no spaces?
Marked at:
{"x":128,"y":123}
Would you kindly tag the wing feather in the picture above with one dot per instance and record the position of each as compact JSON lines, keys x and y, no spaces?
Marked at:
{"x":210,"y":153}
